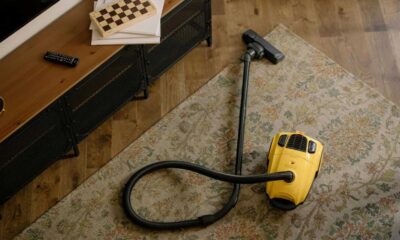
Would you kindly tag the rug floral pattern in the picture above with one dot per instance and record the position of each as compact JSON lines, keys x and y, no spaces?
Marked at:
{"x":356,"y":195}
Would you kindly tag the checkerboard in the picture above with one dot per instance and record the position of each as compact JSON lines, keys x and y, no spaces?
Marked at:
{"x":121,"y":14}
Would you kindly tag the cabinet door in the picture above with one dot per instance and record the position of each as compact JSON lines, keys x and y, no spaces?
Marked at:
{"x":105,"y":90}
{"x":182,"y":29}
{"x":32,"y":149}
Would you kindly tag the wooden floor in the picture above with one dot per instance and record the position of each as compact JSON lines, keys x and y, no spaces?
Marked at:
{"x":361,"y":35}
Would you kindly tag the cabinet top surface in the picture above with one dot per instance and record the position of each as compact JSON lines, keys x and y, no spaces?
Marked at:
{"x":29,"y":84}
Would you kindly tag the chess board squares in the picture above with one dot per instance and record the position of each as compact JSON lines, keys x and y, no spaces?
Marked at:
{"x":120,"y":14}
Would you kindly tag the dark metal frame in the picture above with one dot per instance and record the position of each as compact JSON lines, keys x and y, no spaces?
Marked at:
{"x":145,"y":83}
{"x":66,"y":110}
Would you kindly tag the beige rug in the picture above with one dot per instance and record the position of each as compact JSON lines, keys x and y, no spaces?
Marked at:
{"x":357,"y":193}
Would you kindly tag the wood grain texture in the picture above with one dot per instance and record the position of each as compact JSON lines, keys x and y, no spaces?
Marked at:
{"x":365,"y":46}
{"x":29,"y":84}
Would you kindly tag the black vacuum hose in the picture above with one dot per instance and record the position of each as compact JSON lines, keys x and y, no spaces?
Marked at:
{"x":236,"y":178}
{"x":203,"y":220}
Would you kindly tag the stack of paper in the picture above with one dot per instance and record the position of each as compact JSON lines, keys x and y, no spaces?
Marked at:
{"x":147,"y":31}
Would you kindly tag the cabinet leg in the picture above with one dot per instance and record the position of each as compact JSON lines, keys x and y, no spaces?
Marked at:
{"x":209,"y":23}
{"x":144,"y":88}
{"x":72,"y":155}
{"x":69,"y":125}
{"x":209,"y":41}
{"x":143,"y":97}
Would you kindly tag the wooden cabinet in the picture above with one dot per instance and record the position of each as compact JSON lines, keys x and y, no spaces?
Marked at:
{"x":70,"y":118}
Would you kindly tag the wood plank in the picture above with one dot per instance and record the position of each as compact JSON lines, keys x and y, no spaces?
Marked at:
{"x":372,"y":16}
{"x":391,"y":10}
{"x":173,"y":87}
{"x":328,"y":18}
{"x":44,"y":190}
{"x":125,"y":124}
{"x":72,"y":171}
{"x":381,"y":49}
{"x":355,"y":56}
{"x":99,"y":147}
{"x":15,"y":213}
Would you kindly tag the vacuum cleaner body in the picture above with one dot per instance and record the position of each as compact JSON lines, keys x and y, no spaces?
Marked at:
{"x":300,"y":154}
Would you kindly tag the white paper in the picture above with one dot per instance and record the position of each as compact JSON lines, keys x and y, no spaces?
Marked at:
{"x":98,"y":40}
{"x":127,"y":41}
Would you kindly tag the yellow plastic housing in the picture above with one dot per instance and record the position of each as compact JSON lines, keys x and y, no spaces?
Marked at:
{"x":303,"y":164}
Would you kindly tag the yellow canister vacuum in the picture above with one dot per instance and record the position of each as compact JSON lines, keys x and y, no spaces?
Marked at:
{"x":293,"y":160}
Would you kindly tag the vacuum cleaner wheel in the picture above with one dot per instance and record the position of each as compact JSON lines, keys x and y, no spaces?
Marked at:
{"x":282,"y":204}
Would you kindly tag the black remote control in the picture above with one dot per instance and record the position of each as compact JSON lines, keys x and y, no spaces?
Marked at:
{"x":60,"y":58}
{"x":271,"y":53}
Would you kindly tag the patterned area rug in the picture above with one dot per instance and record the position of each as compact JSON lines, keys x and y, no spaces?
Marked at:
{"x":356,"y":195}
